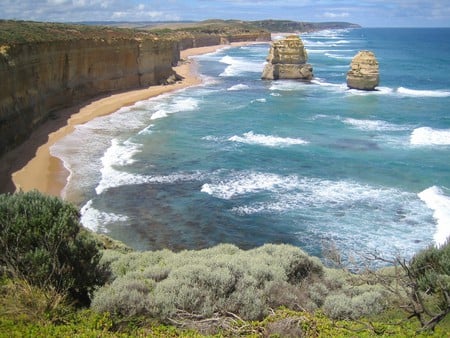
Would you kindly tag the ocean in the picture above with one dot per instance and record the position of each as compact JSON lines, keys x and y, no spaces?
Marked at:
{"x":246,"y":161}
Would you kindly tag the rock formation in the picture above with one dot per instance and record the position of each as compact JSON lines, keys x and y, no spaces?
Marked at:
{"x":363,"y":73}
{"x":287,"y":60}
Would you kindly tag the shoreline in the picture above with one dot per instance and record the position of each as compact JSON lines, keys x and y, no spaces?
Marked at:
{"x":31,"y":164}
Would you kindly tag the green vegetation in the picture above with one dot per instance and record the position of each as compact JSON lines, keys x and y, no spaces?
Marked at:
{"x":42,"y":243}
{"x":225,"y":26}
{"x":14,"y":32}
{"x":50,"y":266}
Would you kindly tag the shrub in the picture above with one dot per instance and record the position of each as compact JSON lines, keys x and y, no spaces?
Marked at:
{"x":355,"y":302}
{"x":216,"y":280}
{"x":42,"y":242}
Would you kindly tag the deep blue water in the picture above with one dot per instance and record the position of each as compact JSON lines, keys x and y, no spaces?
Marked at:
{"x":246,"y":161}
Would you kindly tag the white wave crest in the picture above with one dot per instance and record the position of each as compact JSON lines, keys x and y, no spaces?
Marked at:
{"x":248,"y":182}
{"x":182,"y":104}
{"x":261,"y":100}
{"x":114,"y":173}
{"x":426,"y":136}
{"x":239,"y":86}
{"x":267,"y":140}
{"x":287,"y":85}
{"x":373,"y":125}
{"x":437,"y":201}
{"x":337,"y":56}
{"x":97,"y":220}
{"x":238,"y":66}
{"x":423,"y":93}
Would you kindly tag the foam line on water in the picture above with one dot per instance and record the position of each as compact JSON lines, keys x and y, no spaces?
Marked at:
{"x":437,"y":201}
{"x":175,"y":106}
{"x":267,"y":140}
{"x":237,"y":66}
{"x":97,"y":220}
{"x":238,"y":87}
{"x":374,"y":125}
{"x":241,"y":183}
{"x":426,"y":136}
{"x":423,"y":93}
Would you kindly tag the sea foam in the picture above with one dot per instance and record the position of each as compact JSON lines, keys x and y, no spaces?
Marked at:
{"x":238,"y":66}
{"x":373,"y":125}
{"x":241,"y":183}
{"x":97,"y":220}
{"x":179,"y":105}
{"x":437,"y":201}
{"x":426,"y":136}
{"x":267,"y":140}
{"x":423,"y":93}
{"x":239,"y":86}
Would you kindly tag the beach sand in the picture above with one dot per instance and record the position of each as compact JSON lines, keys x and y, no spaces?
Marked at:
{"x":45,"y":172}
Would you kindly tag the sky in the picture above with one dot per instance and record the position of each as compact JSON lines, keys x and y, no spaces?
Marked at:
{"x":368,"y":13}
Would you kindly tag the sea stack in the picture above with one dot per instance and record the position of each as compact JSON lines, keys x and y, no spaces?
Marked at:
{"x":287,"y":60}
{"x":364,"y":73}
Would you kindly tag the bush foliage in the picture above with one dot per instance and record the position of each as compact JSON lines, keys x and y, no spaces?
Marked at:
{"x":225,"y":279}
{"x":216,"y":280}
{"x":42,"y":243}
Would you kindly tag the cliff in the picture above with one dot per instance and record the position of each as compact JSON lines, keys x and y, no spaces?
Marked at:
{"x":45,"y":67}
{"x":39,"y":78}
{"x":288,"y":26}
{"x":287,"y":60}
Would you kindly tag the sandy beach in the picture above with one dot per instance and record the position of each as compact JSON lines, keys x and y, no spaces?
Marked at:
{"x":45,"y":172}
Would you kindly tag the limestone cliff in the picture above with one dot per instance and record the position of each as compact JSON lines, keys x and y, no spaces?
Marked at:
{"x":364,"y":73}
{"x":287,"y":60}
{"x":42,"y":77}
{"x":45,"y":67}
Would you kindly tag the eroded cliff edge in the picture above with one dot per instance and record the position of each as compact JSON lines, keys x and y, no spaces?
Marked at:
{"x":47,"y":67}
{"x":40,"y":78}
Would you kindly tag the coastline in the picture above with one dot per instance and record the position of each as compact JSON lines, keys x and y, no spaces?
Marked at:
{"x":47,"y":173}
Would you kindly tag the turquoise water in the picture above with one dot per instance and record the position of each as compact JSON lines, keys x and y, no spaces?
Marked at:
{"x":245,"y":161}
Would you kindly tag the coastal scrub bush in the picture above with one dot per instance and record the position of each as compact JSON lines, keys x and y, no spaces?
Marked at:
{"x":42,"y":242}
{"x":202,"y":283}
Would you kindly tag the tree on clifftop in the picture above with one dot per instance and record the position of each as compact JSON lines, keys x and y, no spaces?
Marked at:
{"x":42,"y":242}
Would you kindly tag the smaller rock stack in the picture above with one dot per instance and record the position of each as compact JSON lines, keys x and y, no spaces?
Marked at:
{"x":364,"y":73}
{"x":287,"y":60}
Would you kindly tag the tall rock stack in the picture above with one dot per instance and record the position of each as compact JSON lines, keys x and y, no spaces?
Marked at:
{"x":287,"y":60}
{"x":364,"y":73}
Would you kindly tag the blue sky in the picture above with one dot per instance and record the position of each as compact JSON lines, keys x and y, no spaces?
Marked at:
{"x":368,"y":13}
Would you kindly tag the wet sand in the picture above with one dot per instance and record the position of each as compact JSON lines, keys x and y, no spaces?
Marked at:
{"x":31,"y":164}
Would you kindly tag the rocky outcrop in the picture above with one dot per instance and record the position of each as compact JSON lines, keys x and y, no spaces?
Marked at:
{"x":364,"y":73}
{"x":42,"y":77}
{"x":287,"y":60}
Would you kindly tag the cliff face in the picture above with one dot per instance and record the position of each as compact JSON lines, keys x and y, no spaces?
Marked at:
{"x":39,"y":78}
{"x":45,"y":67}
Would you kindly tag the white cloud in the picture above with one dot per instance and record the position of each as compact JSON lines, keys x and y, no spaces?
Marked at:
{"x":332,"y":15}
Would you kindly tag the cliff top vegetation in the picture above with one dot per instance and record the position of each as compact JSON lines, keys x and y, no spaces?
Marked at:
{"x":237,"y":25}
{"x":15,"y":32}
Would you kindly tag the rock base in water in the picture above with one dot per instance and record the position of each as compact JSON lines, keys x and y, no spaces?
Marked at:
{"x":364,"y":73}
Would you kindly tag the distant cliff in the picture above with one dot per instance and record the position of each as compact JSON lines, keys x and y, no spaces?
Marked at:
{"x":45,"y":67}
{"x":288,"y":26}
